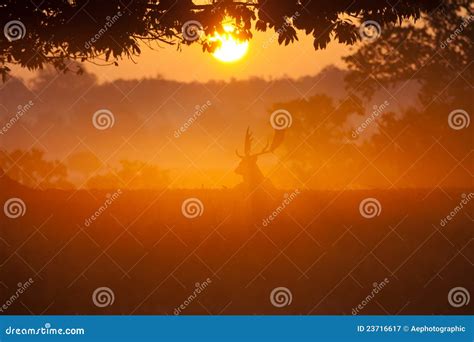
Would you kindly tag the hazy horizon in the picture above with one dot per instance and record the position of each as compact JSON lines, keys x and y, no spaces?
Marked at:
{"x":269,"y":62}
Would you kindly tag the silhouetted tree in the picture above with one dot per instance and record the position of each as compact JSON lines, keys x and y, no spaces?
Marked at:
{"x":437,"y":53}
{"x":55,"y":32}
{"x":428,"y":150}
{"x":316,"y":141}
{"x":421,"y":149}
{"x":31,"y":169}
{"x":409,"y":149}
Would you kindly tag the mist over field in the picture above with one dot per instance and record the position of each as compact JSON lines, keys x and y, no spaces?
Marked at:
{"x":164,"y":124}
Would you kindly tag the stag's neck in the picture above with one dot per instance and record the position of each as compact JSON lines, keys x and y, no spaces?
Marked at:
{"x":255,"y":178}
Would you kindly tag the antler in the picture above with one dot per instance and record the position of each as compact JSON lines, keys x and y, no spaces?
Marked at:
{"x":278,"y":137}
{"x":248,"y":142}
{"x":264,"y":150}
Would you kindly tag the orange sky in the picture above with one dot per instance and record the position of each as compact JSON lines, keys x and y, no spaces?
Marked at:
{"x":265,"y":58}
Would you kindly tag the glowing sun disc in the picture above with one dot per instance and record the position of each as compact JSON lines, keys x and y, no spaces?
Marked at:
{"x":230,"y":49}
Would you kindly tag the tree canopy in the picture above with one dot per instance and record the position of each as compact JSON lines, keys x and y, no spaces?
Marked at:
{"x":437,"y":54}
{"x":56,"y":32}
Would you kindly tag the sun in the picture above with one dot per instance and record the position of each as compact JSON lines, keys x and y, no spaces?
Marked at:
{"x":230,"y":49}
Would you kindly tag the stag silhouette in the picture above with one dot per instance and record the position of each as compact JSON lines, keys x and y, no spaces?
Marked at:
{"x":253,"y":178}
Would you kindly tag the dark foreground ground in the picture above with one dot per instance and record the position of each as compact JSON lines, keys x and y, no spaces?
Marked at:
{"x":153,"y":259}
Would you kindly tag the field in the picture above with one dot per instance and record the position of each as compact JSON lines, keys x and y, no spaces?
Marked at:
{"x":154,"y":260}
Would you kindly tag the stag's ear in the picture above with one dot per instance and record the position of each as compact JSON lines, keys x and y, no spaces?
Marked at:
{"x":278,"y":138}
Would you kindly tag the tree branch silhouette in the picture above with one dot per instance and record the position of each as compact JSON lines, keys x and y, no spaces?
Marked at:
{"x":431,"y":54}
{"x":59,"y":32}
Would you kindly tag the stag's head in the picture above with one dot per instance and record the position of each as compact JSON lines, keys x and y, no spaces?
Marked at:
{"x":247,"y":167}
